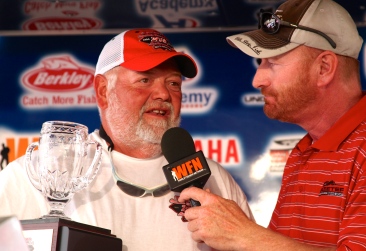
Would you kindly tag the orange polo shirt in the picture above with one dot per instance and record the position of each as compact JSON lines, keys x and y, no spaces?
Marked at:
{"x":322,"y":200}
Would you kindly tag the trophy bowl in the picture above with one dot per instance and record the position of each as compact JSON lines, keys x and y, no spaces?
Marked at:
{"x":66,"y":162}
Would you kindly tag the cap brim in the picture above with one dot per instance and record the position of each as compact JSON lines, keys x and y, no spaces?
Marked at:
{"x":255,"y":49}
{"x":186,"y":64}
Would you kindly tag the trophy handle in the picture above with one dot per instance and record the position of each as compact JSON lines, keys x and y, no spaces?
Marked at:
{"x":31,"y":172}
{"x":95,"y":165}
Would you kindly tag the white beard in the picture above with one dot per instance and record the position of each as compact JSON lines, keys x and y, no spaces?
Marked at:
{"x":133,"y":133}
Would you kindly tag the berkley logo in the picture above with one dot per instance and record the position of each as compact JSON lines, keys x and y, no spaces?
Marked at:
{"x":62,"y":23}
{"x":59,"y":73}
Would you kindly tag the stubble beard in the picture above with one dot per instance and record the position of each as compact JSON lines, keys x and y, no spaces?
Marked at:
{"x":291,"y":100}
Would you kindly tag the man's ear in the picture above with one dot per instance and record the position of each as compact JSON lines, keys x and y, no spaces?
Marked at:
{"x":328,"y":63}
{"x":100,"y":87}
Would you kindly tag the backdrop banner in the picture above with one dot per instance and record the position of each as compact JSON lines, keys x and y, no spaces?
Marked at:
{"x":50,"y":78}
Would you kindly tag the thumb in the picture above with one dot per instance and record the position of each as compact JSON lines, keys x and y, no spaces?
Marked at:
{"x":191,"y":193}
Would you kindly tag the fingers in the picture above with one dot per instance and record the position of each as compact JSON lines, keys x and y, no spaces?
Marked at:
{"x":193,"y":227}
{"x":192,"y":193}
{"x":196,"y":237}
{"x":194,"y":213}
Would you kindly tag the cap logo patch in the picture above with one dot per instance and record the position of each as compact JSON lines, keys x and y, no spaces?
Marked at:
{"x":156,"y":40}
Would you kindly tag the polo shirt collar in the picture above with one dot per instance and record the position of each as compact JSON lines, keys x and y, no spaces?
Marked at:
{"x":332,"y":139}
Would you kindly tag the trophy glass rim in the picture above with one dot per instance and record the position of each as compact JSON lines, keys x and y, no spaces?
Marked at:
{"x":68,"y":127}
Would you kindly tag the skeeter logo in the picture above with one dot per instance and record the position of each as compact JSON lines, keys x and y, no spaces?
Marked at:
{"x":58,"y":74}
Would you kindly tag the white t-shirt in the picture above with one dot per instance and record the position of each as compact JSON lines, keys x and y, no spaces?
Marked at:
{"x":145,"y":223}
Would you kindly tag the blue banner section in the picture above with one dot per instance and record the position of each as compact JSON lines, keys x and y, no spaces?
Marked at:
{"x":39,"y":15}
{"x":50,"y":78}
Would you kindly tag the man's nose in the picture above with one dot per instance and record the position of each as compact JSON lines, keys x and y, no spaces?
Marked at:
{"x":161,"y":91}
{"x":260,"y":79}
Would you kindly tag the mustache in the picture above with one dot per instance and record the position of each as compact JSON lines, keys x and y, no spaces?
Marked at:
{"x":268,"y":92}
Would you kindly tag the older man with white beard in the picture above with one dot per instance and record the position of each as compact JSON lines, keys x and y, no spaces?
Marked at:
{"x":138,"y":89}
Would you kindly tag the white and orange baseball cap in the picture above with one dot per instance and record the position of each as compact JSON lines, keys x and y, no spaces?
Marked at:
{"x":142,"y":50}
{"x":322,"y":24}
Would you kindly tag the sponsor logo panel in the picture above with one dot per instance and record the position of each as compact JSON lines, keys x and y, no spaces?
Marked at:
{"x":58,"y":81}
{"x":279,"y":149}
{"x":62,"y":23}
{"x":274,"y":159}
{"x":40,"y":101}
{"x":252,"y":99}
{"x":175,"y":13}
{"x":198,"y":100}
{"x":226,"y":150}
{"x":61,"y":15}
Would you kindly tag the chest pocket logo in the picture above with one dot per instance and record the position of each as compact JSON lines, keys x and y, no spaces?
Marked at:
{"x":330,"y":188}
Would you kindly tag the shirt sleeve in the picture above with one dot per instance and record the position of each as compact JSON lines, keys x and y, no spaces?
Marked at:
{"x":17,"y":194}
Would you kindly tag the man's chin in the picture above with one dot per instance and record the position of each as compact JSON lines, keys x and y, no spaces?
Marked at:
{"x":152,"y":134}
{"x":270,"y":113}
{"x":156,"y":128}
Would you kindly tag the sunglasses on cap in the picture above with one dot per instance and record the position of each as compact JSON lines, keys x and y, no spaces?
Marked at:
{"x":271,"y":23}
{"x":136,"y":190}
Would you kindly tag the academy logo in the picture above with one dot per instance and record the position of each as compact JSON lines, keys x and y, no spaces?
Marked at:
{"x":198,"y":100}
{"x":153,"y":6}
{"x":174,"y":22}
{"x":175,"y":13}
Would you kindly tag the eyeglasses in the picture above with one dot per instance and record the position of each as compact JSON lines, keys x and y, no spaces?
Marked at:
{"x":271,"y":23}
{"x":136,"y":190}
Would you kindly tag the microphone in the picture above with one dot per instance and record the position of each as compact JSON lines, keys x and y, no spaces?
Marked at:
{"x":186,"y":166}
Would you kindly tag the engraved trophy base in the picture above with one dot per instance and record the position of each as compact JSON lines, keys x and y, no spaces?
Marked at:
{"x":56,"y":234}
